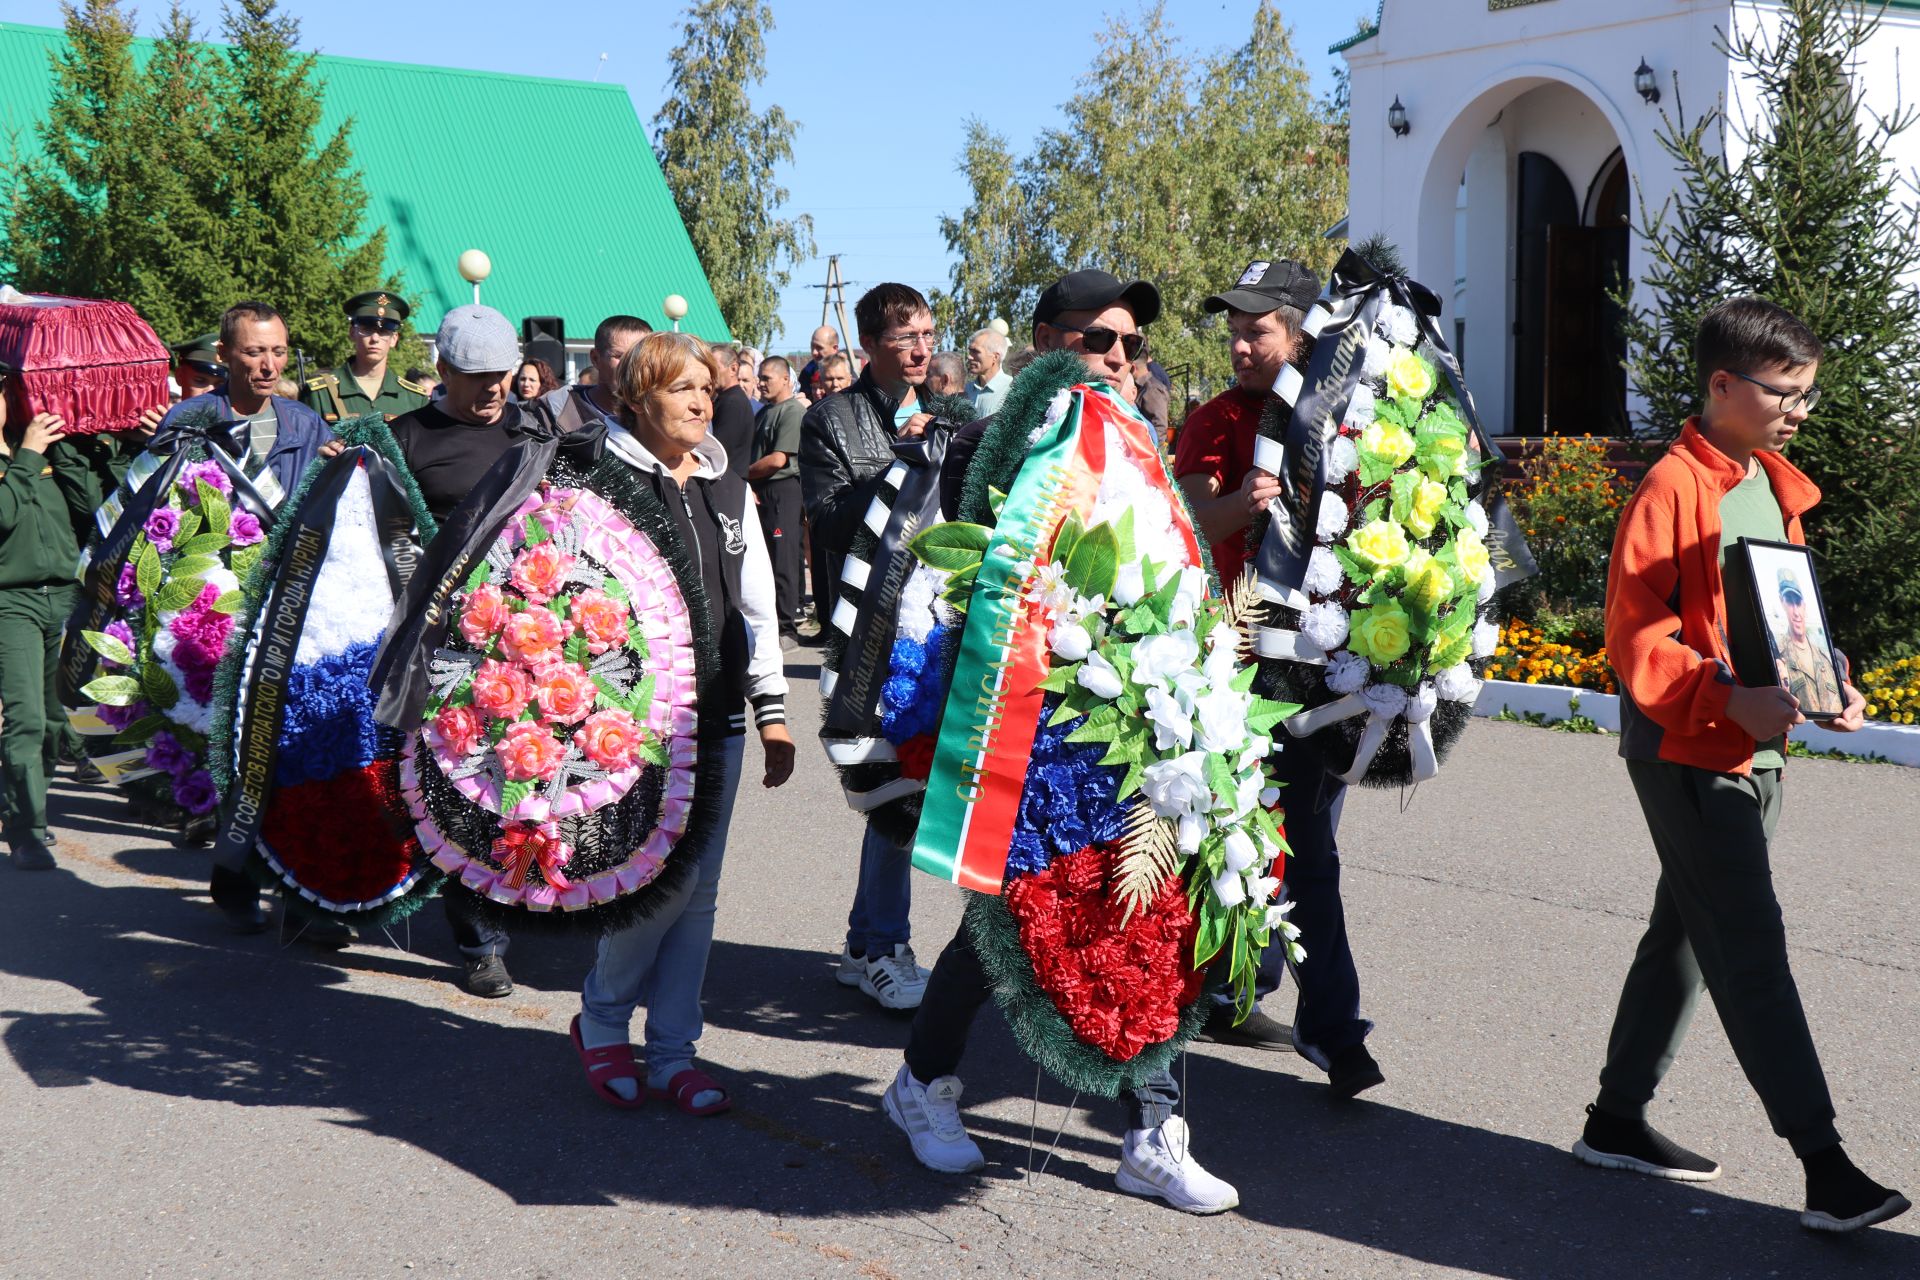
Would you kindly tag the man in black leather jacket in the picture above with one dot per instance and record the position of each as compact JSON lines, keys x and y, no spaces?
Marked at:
{"x":846,"y":445}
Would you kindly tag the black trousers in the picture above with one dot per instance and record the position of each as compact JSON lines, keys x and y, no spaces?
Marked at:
{"x":473,"y":933}
{"x":781,"y":512}
{"x":954,"y":995}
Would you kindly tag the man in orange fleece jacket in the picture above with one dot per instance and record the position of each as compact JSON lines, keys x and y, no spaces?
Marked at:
{"x":1705,"y":754}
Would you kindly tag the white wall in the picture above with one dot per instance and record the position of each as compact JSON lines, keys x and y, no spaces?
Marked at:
{"x":1555,"y":77}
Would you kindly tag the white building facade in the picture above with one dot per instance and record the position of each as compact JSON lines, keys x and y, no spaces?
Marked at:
{"x":1526,"y":154}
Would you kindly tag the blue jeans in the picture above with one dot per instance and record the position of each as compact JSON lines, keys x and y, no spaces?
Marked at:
{"x":879,"y":921}
{"x":661,"y":961}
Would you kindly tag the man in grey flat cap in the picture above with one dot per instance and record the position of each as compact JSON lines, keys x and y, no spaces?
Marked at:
{"x":449,"y":444}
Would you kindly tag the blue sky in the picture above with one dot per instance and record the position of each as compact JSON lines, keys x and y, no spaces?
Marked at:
{"x":881,"y":90}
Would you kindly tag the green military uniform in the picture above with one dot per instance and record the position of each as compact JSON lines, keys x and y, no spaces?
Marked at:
{"x":37,"y":575}
{"x":337,"y":395}
{"x":1809,"y":672}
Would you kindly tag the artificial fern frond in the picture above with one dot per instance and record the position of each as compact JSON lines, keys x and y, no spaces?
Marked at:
{"x":1149,"y":855}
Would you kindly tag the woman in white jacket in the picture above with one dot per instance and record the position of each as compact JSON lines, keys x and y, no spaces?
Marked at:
{"x":665,"y":390}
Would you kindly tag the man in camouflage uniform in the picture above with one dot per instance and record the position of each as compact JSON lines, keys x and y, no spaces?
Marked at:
{"x":364,"y":384}
{"x":1805,"y":668}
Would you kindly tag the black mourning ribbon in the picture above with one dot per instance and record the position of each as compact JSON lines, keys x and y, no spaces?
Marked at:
{"x":854,"y":706}
{"x":281,"y":620}
{"x":96,"y":602}
{"x":421,"y":616}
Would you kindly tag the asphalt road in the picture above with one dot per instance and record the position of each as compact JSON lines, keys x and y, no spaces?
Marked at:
{"x":178,"y":1102}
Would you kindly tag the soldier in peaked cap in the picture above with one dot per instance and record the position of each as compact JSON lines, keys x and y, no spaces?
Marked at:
{"x":364,"y":384}
{"x":196,"y":365}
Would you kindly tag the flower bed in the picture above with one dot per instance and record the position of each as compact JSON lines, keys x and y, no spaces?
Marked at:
{"x":1525,"y":656}
{"x":1893,"y":691}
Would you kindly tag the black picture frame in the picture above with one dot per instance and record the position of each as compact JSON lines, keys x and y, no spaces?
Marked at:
{"x":1775,"y":573}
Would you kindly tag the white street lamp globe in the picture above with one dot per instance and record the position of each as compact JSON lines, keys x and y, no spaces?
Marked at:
{"x":475,"y":266}
{"x":998,"y":325}
{"x":675,"y":306}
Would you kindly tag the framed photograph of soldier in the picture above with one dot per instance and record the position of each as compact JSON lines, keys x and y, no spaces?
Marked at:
{"x":1784,"y":594}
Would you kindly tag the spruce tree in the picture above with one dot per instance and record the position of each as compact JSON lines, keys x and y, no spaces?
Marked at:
{"x":718,"y":156}
{"x":1813,"y":216}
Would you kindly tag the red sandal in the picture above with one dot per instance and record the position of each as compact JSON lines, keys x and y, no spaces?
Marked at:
{"x":689,"y":1084}
{"x":609,"y":1062}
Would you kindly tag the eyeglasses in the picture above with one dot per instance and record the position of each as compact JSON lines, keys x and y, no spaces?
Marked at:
{"x":909,"y":341}
{"x":1100,"y":341}
{"x":373,"y":324}
{"x":1789,"y":400}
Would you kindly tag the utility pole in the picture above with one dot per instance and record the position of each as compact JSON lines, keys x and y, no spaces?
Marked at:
{"x":834,"y":295}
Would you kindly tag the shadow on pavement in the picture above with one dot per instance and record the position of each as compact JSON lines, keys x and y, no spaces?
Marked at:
{"x":181,"y":1009}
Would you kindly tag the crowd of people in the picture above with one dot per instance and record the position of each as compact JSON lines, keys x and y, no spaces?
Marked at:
{"x":769,"y":472}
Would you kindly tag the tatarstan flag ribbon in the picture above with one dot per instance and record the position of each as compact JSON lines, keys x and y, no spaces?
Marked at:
{"x":993,"y":710}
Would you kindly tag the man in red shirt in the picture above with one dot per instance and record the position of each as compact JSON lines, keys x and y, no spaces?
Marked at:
{"x":1213,"y":458}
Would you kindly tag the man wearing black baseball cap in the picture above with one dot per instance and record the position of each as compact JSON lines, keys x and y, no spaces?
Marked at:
{"x":1095,"y":315}
{"x":1213,"y":457}
{"x":1098,"y":317}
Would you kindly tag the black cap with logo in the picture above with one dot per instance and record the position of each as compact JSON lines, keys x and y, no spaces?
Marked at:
{"x":1093,"y":291}
{"x":1266,"y":285}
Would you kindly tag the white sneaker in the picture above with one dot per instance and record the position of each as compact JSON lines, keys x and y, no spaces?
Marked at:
{"x":852,"y":967}
{"x":1157,"y":1162}
{"x":930,"y":1117}
{"x":895,"y":981}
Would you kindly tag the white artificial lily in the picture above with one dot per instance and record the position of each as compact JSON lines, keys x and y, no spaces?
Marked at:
{"x":1229,"y":889}
{"x":1172,"y":723}
{"x":1187,"y":596}
{"x":1070,"y":641}
{"x":1240,"y":850}
{"x":1129,"y":584}
{"x":1082,"y":608}
{"x":1049,"y":588}
{"x":1097,"y":676}
{"x":1262,"y":888}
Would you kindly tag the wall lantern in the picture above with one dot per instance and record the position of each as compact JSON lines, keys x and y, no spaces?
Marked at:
{"x":1397,"y":118}
{"x":1644,"y":81}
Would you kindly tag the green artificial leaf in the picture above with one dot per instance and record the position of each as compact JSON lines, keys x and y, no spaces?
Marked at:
{"x":1264,"y":715}
{"x":1124,"y":533}
{"x":1212,"y":933}
{"x":1059,"y":679}
{"x":996,"y":500}
{"x":652,"y":752}
{"x":478,"y":577}
{"x":112,"y":648}
{"x":1457,"y":491}
{"x":219,"y":515}
{"x":243,"y":560}
{"x":615,"y":588}
{"x":1402,"y":494}
{"x":536,"y":533}
{"x":496,"y":730}
{"x":1376,"y":510}
{"x":112,"y":691}
{"x":636,"y":638}
{"x":141,"y":730}
{"x":1240,"y":966}
{"x":512,"y":793}
{"x":1392,"y":412}
{"x":959,"y":588}
{"x":195,"y":566}
{"x":157,"y":687}
{"x":575,"y":649}
{"x":1071,"y":530}
{"x":229,"y":602}
{"x":204,"y":544}
{"x":178,"y":594}
{"x":1219,"y":777}
{"x":146,"y":568}
{"x":189,"y":528}
{"x":1358,"y":574}
{"x":641,"y":699}
{"x":1373,"y":469}
{"x":953,"y":546}
{"x":1096,"y":559}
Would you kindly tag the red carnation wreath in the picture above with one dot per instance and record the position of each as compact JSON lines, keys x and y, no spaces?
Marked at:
{"x":1120,"y":987}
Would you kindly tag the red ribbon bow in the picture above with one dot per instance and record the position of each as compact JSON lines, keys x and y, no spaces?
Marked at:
{"x":524,"y":844}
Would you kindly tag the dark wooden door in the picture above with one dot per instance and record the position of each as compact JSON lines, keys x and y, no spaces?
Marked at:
{"x":1584,"y":384}
{"x":1544,"y":199}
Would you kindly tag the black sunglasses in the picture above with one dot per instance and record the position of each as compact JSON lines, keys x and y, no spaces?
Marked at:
{"x":374,"y":324}
{"x":1100,"y":341}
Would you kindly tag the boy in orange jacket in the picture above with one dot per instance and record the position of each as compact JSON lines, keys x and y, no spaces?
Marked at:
{"x":1705,"y":755}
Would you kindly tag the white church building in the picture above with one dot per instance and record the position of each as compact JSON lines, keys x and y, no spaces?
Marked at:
{"x":1507,"y":146}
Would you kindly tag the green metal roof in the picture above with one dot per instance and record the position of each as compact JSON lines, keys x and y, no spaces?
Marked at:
{"x":442,"y":154}
{"x":1367,"y":32}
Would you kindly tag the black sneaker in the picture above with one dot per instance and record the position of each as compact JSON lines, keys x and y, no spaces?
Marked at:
{"x":1636,"y":1146}
{"x":87,"y":773}
{"x":1257,"y":1032}
{"x":488,"y":977}
{"x":1353,"y":1072}
{"x":1840,"y":1198}
{"x":198,"y":831}
{"x":32,"y":855}
{"x":324,"y":932}
{"x":50,"y":840}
